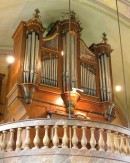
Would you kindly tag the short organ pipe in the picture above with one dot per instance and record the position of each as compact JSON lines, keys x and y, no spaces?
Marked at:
{"x":49,"y":70}
{"x":88,"y":79}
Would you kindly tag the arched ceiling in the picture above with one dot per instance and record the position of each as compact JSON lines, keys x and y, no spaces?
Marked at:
{"x":96,"y":17}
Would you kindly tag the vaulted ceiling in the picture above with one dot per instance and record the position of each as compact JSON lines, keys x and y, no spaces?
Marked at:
{"x":96,"y":17}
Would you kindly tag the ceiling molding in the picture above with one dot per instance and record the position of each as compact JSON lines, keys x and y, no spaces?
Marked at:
{"x":6,"y":51}
{"x":105,"y":10}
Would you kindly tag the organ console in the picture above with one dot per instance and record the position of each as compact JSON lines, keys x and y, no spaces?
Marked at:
{"x":40,"y":63}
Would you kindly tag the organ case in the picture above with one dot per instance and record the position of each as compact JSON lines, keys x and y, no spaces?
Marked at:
{"x":41,"y":62}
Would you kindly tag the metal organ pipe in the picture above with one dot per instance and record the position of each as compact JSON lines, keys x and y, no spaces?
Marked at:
{"x":81,"y":66}
{"x":88,"y":79}
{"x":92,"y":84}
{"x":109,"y":79}
{"x":64,"y":55}
{"x":103,"y":77}
{"x":28,"y":57}
{"x":67,"y":60}
{"x":36,"y":56}
{"x":100,"y":73}
{"x":107,"y":76}
{"x":69,"y":72}
{"x":25,"y":62}
{"x":73,"y":60}
{"x":105,"y":80}
{"x":49,"y":70}
{"x":94,"y":87}
{"x":85,"y":78}
{"x":75,"y":43}
{"x":31,"y":56}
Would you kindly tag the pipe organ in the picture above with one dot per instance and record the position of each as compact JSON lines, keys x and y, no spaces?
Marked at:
{"x":41,"y":63}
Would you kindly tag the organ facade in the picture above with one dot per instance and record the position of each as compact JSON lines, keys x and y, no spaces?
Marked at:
{"x":57,"y":66}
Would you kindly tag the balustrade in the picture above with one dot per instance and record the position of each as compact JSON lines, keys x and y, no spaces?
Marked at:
{"x":58,"y":133}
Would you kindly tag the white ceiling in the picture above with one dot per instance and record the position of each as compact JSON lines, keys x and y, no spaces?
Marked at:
{"x":96,"y":16}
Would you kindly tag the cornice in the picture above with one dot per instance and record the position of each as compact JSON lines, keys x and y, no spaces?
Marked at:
{"x":107,"y":10}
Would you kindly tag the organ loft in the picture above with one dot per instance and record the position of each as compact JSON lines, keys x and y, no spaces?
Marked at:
{"x":56,"y":75}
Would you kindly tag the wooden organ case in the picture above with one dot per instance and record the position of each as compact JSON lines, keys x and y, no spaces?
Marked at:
{"x":41,"y":76}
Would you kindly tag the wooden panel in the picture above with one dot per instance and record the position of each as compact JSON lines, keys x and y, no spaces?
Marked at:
{"x":1,"y":78}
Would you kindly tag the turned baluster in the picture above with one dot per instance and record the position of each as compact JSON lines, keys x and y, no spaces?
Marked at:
{"x":84,"y":139}
{"x":65,"y":139}
{"x":74,"y":138}
{"x":101,"y":140}
{"x":122,"y":144}
{"x":116,"y":142}
{"x":92,"y":139}
{"x":0,"y":139}
{"x":27,"y":138}
{"x":109,"y":141}
{"x":19,"y":140}
{"x":55,"y":139}
{"x":11,"y":140}
{"x":4,"y":143}
{"x":46,"y":139}
{"x":127,"y":145}
{"x":36,"y":140}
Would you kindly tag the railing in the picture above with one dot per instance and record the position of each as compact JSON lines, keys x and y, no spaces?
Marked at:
{"x":64,"y":133}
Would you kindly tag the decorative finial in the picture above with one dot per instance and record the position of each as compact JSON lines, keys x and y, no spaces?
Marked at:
{"x":36,"y":14}
{"x":104,"y":37}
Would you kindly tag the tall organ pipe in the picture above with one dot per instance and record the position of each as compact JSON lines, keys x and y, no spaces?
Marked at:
{"x":25,"y":62}
{"x":105,"y":80}
{"x":101,"y":83}
{"x":28,"y":58}
{"x":68,"y":80}
{"x":56,"y":65}
{"x":87,"y":81}
{"x":107,"y":76}
{"x":69,"y":62}
{"x":72,"y":59}
{"x":81,"y":66}
{"x":103,"y":77}
{"x":95,"y":85}
{"x":109,"y":79}
{"x":36,"y":57}
{"x":31,"y":57}
{"x":75,"y":43}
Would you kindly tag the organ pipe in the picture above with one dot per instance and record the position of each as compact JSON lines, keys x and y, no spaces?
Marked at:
{"x":88,"y":80}
{"x":105,"y":80}
{"x":49,"y":70}
{"x":69,"y":72}
{"x":36,"y":57}
{"x":31,"y":56}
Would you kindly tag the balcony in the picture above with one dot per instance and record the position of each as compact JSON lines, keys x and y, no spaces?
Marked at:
{"x":63,"y":140}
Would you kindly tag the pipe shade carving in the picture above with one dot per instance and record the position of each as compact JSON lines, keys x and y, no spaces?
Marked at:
{"x":70,"y":100}
{"x":28,"y":91}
